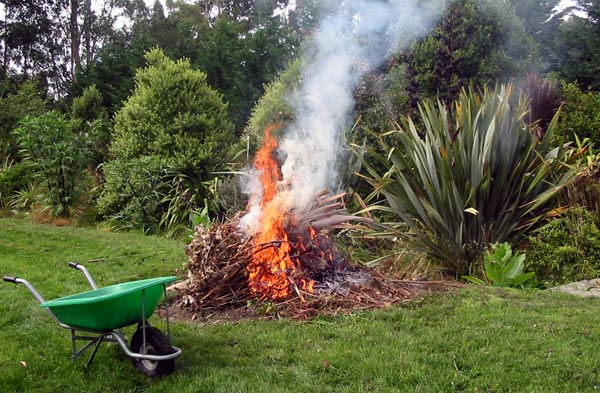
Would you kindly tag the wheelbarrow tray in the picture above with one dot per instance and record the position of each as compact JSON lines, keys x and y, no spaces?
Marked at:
{"x":112,"y":307}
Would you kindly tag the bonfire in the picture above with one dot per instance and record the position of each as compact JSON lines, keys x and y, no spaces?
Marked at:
{"x":286,"y":256}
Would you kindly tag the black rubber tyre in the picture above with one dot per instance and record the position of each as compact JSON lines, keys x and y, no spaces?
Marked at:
{"x":156,"y":344}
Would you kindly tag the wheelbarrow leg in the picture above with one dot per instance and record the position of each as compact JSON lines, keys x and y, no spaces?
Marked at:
{"x":98,"y":342}
{"x":91,"y":341}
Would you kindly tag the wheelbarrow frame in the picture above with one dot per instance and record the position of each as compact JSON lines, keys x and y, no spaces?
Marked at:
{"x":96,"y":337}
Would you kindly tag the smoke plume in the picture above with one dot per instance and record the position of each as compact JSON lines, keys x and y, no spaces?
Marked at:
{"x":354,"y":37}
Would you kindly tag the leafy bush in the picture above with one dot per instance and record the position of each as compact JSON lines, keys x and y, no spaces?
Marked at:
{"x":273,"y":107}
{"x":149,"y":193}
{"x":459,"y":181}
{"x":544,"y":101}
{"x":567,"y":249}
{"x":13,"y":178}
{"x":92,"y":119}
{"x":15,"y":105}
{"x":134,"y":191}
{"x":585,"y":189}
{"x":580,"y":113}
{"x":58,"y":157}
{"x":503,"y":268}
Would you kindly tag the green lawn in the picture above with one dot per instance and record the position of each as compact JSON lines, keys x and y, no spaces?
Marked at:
{"x":476,"y":340}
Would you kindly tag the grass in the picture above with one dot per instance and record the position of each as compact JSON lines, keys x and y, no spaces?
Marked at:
{"x":476,"y":340}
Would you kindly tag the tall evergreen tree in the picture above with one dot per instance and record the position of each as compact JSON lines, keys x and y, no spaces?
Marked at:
{"x":578,"y":49}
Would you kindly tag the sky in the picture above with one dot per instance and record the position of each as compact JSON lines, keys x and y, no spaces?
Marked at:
{"x":149,"y":3}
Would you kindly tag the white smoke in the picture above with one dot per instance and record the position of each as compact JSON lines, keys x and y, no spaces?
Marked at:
{"x":349,"y":42}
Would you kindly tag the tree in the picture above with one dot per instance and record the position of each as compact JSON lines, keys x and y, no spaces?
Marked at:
{"x":53,"y":40}
{"x":272,"y":107}
{"x":29,"y":38}
{"x":14,"y":106}
{"x":578,"y":49}
{"x":172,"y":131}
{"x":479,"y":41}
{"x":172,"y":113}
{"x":239,"y":58}
{"x":541,"y":20}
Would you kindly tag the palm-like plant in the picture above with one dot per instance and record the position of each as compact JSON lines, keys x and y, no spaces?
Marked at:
{"x":459,"y":181}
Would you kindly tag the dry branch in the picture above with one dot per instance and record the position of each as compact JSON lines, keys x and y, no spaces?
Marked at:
{"x":220,"y":255}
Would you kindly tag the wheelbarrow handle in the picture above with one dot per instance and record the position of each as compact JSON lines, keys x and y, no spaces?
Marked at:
{"x":84,"y":270}
{"x":10,"y":279}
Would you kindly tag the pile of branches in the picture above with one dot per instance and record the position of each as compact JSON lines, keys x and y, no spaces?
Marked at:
{"x":216,"y":278}
{"x":217,"y":281}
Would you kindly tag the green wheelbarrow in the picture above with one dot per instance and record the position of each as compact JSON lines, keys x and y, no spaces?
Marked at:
{"x":102,"y":313}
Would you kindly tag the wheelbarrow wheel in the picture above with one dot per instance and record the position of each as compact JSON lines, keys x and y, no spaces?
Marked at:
{"x":156,"y":344}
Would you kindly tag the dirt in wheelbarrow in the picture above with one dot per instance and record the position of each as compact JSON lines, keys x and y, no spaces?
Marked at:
{"x":221,"y":284}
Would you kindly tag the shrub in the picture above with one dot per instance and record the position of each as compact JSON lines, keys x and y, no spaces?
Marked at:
{"x":458,"y":181}
{"x":133,"y":192}
{"x":58,"y":157}
{"x":149,"y":193}
{"x":503,"y":268}
{"x":13,"y":178}
{"x":91,"y":118}
{"x":580,"y":113}
{"x":544,"y":101}
{"x":16,"y":102}
{"x":567,"y":249}
{"x":273,"y":107}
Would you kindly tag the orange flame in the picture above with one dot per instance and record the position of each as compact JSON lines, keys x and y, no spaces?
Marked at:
{"x":270,"y":272}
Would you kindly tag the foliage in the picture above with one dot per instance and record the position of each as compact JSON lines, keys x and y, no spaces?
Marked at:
{"x":475,"y":41}
{"x":544,"y":101}
{"x":580,"y":113}
{"x":88,"y":107}
{"x":16,"y":102}
{"x":113,"y":71}
{"x":240,"y":58}
{"x":50,"y":41}
{"x":567,"y":249}
{"x":58,"y":157}
{"x":584,"y":191}
{"x":503,"y":268}
{"x":29,"y":39}
{"x":149,"y":194}
{"x":273,"y":108}
{"x":172,"y":113}
{"x":93,"y":122}
{"x":135,"y":192}
{"x":539,"y":16}
{"x":13,"y":178}
{"x":239,"y":55}
{"x":27,"y":198}
{"x":578,"y":47}
{"x":458,"y":181}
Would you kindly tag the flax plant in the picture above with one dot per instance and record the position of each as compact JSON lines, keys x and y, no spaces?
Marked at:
{"x":459,"y":180}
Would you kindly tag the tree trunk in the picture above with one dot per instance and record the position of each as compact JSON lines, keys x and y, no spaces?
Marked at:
{"x":75,"y":39}
{"x":87,"y":31}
